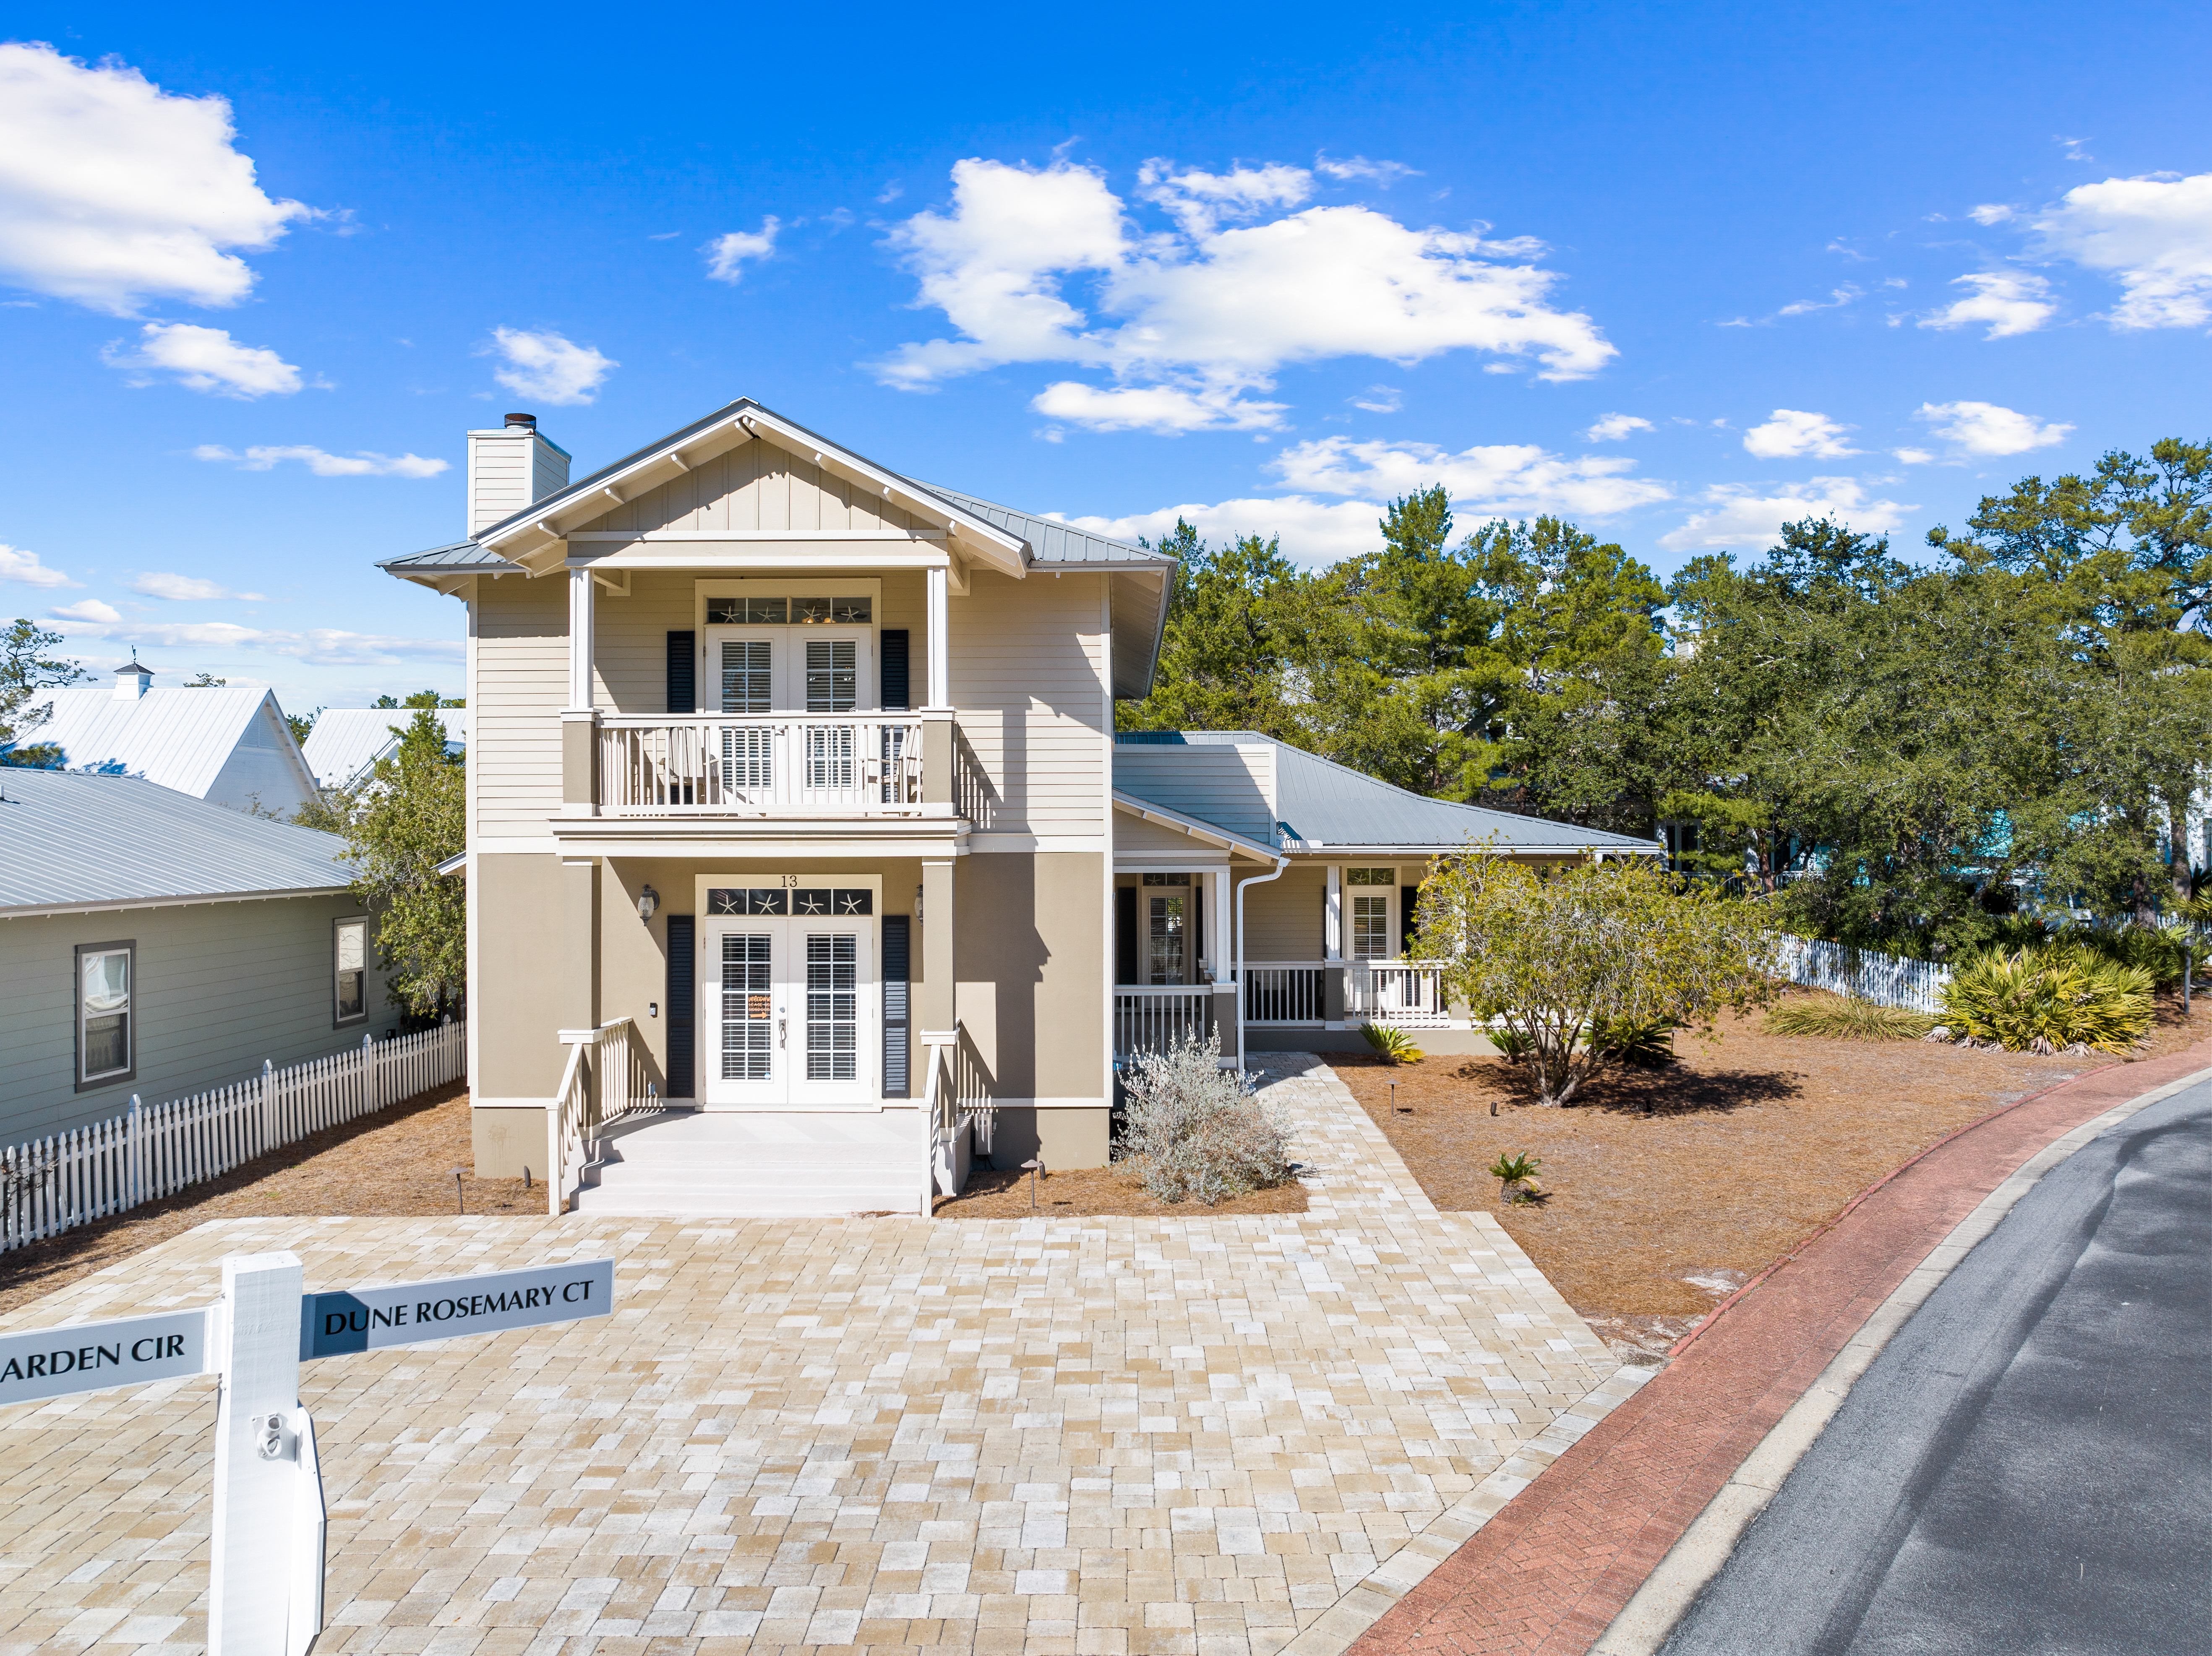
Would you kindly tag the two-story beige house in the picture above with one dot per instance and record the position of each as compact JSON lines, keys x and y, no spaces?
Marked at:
{"x":795,"y":802}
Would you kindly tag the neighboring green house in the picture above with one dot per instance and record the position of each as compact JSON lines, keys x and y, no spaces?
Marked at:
{"x":156,"y":944}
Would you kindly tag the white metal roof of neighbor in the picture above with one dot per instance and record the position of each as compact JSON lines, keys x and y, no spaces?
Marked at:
{"x":71,"y":840}
{"x":1323,"y":806}
{"x":346,"y":741}
{"x":179,"y":738}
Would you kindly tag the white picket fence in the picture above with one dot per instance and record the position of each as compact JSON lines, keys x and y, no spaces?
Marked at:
{"x":1863,"y":973}
{"x":69,"y":1179}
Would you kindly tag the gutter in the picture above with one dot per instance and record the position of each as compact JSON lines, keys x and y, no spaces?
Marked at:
{"x":45,"y":910}
{"x":1237,"y":972}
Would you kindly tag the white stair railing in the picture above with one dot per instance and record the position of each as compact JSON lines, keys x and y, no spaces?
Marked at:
{"x":51,"y":1185}
{"x":601,"y":1083}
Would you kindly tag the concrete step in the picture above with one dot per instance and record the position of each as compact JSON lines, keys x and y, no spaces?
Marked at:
{"x":756,"y":1164}
{"x":762,"y":1159}
{"x":745,"y":1205}
{"x":618,"y":1175}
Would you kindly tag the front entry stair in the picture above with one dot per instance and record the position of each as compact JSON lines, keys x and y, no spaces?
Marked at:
{"x":756,"y":1164}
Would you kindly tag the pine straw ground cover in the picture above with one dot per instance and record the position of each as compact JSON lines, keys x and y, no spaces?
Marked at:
{"x":1665,"y":1190}
{"x":397,"y":1162}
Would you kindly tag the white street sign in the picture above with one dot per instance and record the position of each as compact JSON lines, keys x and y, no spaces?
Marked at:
{"x":372,"y":1319}
{"x":52,"y":1362}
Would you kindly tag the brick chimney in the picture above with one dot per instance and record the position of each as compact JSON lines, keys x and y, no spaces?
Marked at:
{"x":509,"y":468}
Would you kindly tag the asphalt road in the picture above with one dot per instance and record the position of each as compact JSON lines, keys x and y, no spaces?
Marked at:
{"x":2027,"y":1467}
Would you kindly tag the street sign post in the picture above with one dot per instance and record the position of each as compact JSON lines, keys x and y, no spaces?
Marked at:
{"x":265,"y":1585}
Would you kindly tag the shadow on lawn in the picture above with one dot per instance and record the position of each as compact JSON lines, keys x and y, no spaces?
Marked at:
{"x":1672,"y":1090}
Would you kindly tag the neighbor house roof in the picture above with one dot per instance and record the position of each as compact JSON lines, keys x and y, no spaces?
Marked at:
{"x":346,"y":741}
{"x":178,"y":738}
{"x":1319,"y":804}
{"x":71,"y":841}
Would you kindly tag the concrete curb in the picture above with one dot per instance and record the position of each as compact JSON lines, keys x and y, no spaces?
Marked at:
{"x":1346,"y":1621}
{"x":1644,"y":1623}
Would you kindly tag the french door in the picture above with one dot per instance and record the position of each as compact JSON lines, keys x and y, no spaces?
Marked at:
{"x":789,"y":1001}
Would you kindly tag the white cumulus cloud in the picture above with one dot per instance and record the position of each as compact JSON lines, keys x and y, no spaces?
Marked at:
{"x":326,"y":646}
{"x":1991,"y":213}
{"x":1166,"y":409}
{"x":2153,"y":235}
{"x":1741,"y":515}
{"x":1798,"y":433}
{"x":157,"y":585}
{"x":88,"y":609}
{"x":203,"y":359}
{"x":1508,"y":480}
{"x":16,"y":564}
{"x":1313,"y":532}
{"x":1989,"y":429}
{"x":726,"y":255}
{"x":362,"y":463}
{"x":114,"y":191}
{"x":547,"y":366}
{"x":1035,"y":264}
{"x":2009,"y":302}
{"x":1385,"y":173}
{"x":1613,"y":427}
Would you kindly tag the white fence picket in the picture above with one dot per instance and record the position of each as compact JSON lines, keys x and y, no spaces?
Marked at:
{"x":51,"y":1185}
{"x":1863,"y":973}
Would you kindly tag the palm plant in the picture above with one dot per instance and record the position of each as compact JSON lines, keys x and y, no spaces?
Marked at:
{"x":1392,"y":1045}
{"x":2043,"y":1000}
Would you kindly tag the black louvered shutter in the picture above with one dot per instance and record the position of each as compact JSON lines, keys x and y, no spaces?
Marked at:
{"x":891,"y":645}
{"x":1125,"y":934}
{"x":897,"y":1000}
{"x":683,"y":1001}
{"x":683,"y":672}
{"x":1409,"y":899}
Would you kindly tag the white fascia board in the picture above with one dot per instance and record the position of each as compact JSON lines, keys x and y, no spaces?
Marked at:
{"x":1208,"y":832}
{"x":41,"y":910}
{"x":606,"y":492}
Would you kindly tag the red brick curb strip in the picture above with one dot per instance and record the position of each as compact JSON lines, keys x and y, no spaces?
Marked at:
{"x":1552,"y":1569}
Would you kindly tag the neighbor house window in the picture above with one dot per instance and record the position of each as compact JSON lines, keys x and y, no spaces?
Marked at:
{"x":349,"y":947}
{"x":104,"y":1035}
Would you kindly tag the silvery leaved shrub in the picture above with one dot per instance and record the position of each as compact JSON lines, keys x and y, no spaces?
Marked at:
{"x":1194,"y":1130}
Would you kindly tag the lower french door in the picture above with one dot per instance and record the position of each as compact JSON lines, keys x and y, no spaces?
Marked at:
{"x":789,"y":1008}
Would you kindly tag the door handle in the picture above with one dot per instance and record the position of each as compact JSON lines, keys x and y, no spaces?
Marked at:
{"x":780,"y":1024}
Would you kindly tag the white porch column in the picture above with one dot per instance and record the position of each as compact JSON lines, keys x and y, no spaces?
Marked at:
{"x":1332,"y":916}
{"x":940,"y":662}
{"x":581,"y":642}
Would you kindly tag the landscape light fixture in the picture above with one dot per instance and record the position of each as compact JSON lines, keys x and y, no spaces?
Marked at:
{"x":1035,"y":1166}
{"x":459,"y":1205}
{"x":917,"y":905}
{"x":647,"y":900}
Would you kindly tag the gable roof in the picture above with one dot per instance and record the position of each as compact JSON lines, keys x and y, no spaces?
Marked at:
{"x":1323,"y":806}
{"x":178,"y":738}
{"x":72,"y":842}
{"x":346,"y":741}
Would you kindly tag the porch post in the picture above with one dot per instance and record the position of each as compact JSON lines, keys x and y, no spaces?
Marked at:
{"x":940,"y":663}
{"x":1228,"y":989}
{"x":579,"y":721}
{"x":1332,"y":948}
{"x":936,"y":1011}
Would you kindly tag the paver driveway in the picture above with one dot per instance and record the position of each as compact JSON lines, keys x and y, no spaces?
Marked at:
{"x":1102,"y":1436}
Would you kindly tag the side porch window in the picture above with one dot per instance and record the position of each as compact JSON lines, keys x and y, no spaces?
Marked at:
{"x":106,"y":1037}
{"x":349,"y":970}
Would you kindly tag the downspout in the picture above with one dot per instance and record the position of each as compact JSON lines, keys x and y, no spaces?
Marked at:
{"x":1282,"y":866}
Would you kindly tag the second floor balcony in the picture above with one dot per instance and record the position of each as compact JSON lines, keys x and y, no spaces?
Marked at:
{"x":866,"y":765}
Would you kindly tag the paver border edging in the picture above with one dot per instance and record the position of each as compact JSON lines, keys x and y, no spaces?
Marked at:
{"x":1365,"y":1603}
{"x":1700,"y":1552}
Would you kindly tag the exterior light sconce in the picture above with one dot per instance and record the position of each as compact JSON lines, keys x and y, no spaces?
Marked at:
{"x":917,"y":905}
{"x":647,"y":900}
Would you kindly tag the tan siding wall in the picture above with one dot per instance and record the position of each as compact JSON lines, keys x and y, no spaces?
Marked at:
{"x":1283,"y":918}
{"x":219,"y":987}
{"x":522,"y":940}
{"x":1030,"y":952}
{"x":522,"y":680}
{"x":1134,"y":836}
{"x":756,"y":485}
{"x":1029,"y":660}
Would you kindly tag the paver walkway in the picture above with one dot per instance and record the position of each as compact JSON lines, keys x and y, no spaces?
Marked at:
{"x":1549,"y":1574}
{"x":1187,"y":1436}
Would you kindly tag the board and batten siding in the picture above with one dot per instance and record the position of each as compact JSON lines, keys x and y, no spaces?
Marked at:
{"x":755,"y":486}
{"x":1029,"y":668}
{"x":218,"y":987}
{"x":521,"y":684}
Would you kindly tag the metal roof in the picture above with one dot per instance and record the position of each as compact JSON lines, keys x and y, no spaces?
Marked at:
{"x":179,"y":738}
{"x":346,"y":741}
{"x":1326,"y":806}
{"x":69,"y":839}
{"x":463,"y":557}
{"x":1050,"y":540}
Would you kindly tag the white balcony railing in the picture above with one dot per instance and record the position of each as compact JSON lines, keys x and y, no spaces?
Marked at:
{"x":716,"y":764}
{"x":1153,"y":1019}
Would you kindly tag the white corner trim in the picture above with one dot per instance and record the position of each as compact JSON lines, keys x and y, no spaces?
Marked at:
{"x":1698,"y":1555}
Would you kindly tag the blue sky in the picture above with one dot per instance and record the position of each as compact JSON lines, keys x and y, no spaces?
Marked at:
{"x":1677,"y":273}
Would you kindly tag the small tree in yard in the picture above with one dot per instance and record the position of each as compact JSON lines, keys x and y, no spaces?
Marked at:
{"x":1575,"y":960}
{"x":1196,"y":1130}
{"x":408,"y":817}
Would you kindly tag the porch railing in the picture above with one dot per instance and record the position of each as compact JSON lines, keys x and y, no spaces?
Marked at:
{"x":1410,"y":993}
{"x":1149,"y":1018}
{"x":602,"y":1082}
{"x":956,"y":1114}
{"x":717,"y":764}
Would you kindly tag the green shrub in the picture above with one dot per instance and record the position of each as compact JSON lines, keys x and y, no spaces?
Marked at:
{"x":2043,"y":1000}
{"x":1519,"y":1170}
{"x":1841,"y":1018}
{"x":1643,"y":1043}
{"x":1194,"y":1129}
{"x":1392,"y":1045}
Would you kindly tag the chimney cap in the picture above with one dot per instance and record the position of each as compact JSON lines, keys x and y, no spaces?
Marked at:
{"x":530,"y":419}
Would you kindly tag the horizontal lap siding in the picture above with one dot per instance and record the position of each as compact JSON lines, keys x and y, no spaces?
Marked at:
{"x":522,"y":683}
{"x":1029,"y":663}
{"x":1283,"y":918}
{"x":219,"y":987}
{"x":755,"y":486}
